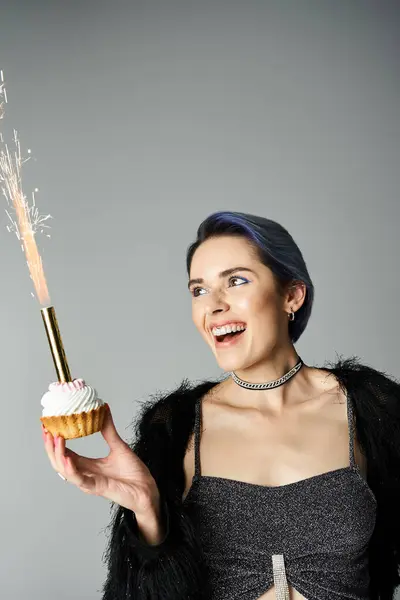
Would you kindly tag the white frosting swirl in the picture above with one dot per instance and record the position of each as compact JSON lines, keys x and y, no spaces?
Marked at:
{"x":69,"y":398}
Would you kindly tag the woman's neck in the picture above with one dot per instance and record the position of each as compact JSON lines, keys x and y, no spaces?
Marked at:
{"x":269,"y":370}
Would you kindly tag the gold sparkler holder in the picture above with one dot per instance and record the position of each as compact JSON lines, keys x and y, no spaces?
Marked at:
{"x":56,"y":345}
{"x":78,"y":424}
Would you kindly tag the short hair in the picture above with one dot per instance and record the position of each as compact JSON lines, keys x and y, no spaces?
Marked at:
{"x":275,"y":247}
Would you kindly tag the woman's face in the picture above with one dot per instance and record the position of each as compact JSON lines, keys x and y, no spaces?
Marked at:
{"x":231,"y":288}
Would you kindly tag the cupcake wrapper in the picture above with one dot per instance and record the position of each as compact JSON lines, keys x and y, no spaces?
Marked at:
{"x":76,"y":425}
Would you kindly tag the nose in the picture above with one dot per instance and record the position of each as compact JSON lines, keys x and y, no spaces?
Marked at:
{"x":216,"y":304}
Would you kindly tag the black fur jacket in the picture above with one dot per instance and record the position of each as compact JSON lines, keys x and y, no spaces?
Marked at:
{"x":174,"y":570}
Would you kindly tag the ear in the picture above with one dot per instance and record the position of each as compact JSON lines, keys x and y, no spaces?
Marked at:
{"x":295,"y":296}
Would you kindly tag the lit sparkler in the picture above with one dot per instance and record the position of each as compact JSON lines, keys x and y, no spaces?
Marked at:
{"x":25,"y":221}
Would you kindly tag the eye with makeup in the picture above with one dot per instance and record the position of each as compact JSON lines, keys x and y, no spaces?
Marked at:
{"x":196,"y":291}
{"x":243,"y":280}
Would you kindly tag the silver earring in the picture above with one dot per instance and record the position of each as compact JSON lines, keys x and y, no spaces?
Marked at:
{"x":291,"y":316}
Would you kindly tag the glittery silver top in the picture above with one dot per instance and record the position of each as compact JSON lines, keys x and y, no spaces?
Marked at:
{"x":312,"y":534}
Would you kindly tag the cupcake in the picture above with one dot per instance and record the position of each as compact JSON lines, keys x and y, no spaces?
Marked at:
{"x":72,"y":409}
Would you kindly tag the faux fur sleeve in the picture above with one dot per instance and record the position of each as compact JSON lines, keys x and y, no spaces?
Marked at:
{"x":377,"y":400}
{"x":381,"y":435}
{"x":172,"y":570}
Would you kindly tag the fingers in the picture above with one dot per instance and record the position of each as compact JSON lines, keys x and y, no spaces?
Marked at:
{"x":57,"y":454}
{"x":73,"y":475}
{"x":88,"y":466}
{"x":109,"y":432}
{"x":55,"y":448}
{"x":69,"y":470}
{"x":62,"y":461}
{"x":49,"y":447}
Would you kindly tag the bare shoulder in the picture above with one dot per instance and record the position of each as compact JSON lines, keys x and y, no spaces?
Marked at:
{"x":219,"y":394}
{"x":325,"y":382}
{"x":337,"y":394}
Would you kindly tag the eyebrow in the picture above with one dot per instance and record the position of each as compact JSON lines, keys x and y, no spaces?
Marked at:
{"x":222,"y":274}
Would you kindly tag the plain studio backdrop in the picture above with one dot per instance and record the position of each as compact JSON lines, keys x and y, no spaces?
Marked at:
{"x":143,"y":117}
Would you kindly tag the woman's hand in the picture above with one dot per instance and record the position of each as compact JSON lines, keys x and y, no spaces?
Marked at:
{"x":120,"y":477}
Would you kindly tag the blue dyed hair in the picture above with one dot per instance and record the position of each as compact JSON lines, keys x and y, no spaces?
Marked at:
{"x":276,"y":249}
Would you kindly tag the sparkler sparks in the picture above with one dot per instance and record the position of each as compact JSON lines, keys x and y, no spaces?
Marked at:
{"x":25,"y":224}
{"x":24,"y":217}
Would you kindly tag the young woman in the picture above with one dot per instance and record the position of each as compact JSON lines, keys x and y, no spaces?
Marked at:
{"x":280,"y":481}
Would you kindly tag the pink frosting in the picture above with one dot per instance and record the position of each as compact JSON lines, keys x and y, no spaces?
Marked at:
{"x":68,"y":386}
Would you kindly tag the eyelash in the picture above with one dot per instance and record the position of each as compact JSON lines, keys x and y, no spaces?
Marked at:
{"x":244,"y":280}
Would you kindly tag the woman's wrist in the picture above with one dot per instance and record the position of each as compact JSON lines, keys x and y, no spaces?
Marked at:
{"x":151,"y":528}
{"x":150,"y":518}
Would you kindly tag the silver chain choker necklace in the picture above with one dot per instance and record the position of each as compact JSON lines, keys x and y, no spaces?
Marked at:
{"x":270,"y":384}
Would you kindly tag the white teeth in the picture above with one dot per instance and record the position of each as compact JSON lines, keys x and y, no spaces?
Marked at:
{"x":217,"y":331}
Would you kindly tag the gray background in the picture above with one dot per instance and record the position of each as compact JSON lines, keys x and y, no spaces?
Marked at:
{"x":144,"y":117}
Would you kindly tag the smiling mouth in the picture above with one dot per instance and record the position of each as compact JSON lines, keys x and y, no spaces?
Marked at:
{"x":228,"y":338}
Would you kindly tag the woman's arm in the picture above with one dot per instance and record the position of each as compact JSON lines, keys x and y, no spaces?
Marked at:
{"x":171,"y":568}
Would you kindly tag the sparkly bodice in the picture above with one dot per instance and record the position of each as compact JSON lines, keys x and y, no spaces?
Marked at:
{"x":312,"y":534}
